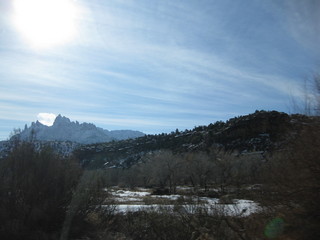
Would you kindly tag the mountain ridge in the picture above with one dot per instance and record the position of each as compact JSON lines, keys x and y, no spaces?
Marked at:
{"x":63,"y":129}
{"x":258,"y":133}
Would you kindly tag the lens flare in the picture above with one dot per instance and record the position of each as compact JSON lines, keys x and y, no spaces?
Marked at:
{"x":274,"y":228}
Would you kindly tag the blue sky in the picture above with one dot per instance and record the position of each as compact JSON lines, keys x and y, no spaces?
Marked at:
{"x":155,"y":66}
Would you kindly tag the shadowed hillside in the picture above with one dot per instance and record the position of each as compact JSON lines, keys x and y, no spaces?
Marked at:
{"x":259,"y":133}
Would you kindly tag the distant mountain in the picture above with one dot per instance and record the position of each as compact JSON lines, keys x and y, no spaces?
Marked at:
{"x":255,"y":134}
{"x":65,"y":130}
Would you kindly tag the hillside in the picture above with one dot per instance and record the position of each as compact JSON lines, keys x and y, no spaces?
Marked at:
{"x":258,"y":133}
{"x":62,"y":148}
{"x":244,"y":172}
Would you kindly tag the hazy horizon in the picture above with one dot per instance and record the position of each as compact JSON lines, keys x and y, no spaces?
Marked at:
{"x":153,"y":66}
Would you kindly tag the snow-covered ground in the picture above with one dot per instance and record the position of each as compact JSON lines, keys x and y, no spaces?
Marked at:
{"x":241,"y":208}
{"x":128,"y":196}
{"x":133,"y":201}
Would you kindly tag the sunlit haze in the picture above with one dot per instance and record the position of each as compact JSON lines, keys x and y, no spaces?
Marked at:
{"x":46,"y":118}
{"x":45,"y":23}
{"x":153,"y":66}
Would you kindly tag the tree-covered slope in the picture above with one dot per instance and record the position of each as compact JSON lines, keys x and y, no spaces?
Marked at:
{"x":261,"y":131}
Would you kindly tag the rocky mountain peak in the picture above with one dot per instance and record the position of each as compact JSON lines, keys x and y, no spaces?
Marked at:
{"x":61,"y":120}
{"x":65,"y":130}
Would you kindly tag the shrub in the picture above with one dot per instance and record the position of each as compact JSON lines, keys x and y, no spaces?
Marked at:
{"x":292,"y":185}
{"x":35,"y":191}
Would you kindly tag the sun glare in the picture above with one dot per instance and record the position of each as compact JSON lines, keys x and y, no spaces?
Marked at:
{"x":45,"y":23}
{"x":46,"y":118}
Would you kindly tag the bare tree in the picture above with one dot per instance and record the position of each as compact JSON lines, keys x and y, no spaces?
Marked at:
{"x":309,"y":104}
{"x":35,"y":190}
{"x":88,"y":197}
{"x":166,"y":170}
{"x":292,"y":180}
{"x":199,"y":169}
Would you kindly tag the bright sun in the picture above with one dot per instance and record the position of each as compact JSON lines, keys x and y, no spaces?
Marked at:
{"x":45,"y":23}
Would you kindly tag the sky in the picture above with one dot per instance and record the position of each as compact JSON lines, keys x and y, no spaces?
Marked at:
{"x":153,"y":66}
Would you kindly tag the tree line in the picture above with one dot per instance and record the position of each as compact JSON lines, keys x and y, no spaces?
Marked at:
{"x":45,"y":196}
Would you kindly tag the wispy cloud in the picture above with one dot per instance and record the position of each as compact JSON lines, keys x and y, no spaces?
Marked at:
{"x":302,"y":20}
{"x":156,"y":66}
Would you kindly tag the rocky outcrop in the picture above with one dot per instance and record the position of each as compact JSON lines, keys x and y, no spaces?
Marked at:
{"x":65,"y":130}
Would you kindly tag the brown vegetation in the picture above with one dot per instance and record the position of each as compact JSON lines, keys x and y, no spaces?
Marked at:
{"x":292,"y":185}
{"x":35,"y":190}
{"x":43,"y":196}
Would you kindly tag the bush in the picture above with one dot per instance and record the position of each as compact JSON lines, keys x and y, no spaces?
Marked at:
{"x":35,"y":191}
{"x":292,"y":185}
